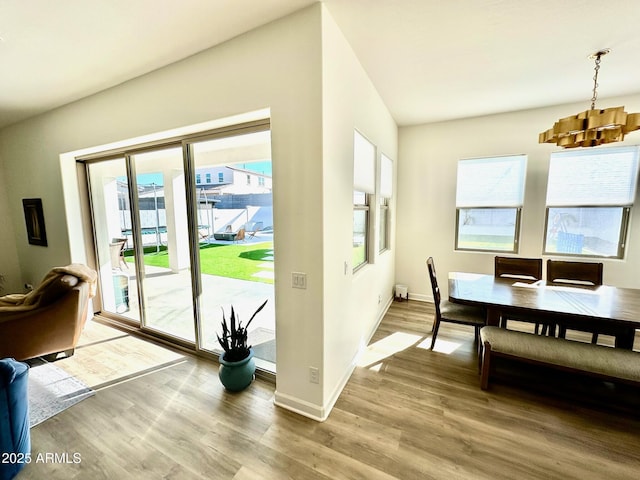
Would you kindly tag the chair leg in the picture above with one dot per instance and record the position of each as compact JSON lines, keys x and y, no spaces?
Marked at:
{"x":434,"y":330}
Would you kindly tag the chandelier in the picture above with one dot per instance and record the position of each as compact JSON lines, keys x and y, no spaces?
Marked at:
{"x":592,"y":127}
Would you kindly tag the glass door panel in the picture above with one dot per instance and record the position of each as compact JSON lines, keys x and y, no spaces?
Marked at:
{"x":235,"y":228}
{"x":161,"y":212}
{"x":114,"y":243}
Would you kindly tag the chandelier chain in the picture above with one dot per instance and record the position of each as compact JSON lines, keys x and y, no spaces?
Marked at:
{"x":595,"y":81}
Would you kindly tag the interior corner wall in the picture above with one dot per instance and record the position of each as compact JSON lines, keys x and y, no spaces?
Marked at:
{"x":427,"y":192}
{"x":277,"y":66}
{"x":353,"y":302}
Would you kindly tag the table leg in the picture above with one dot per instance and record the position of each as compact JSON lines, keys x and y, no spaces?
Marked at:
{"x":625,"y":338}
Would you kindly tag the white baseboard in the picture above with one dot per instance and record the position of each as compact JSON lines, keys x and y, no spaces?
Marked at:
{"x":420,"y":297}
{"x":318,"y":412}
{"x":301,"y":407}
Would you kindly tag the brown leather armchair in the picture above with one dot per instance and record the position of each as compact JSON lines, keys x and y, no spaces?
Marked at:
{"x":50,"y":319}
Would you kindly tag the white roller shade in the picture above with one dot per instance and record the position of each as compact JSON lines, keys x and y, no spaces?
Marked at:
{"x":602,"y":176}
{"x":491,"y":182}
{"x":386,"y":176}
{"x":364,"y":164}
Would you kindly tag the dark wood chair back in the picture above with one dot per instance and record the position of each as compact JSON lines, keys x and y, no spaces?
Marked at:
{"x":585,"y":273}
{"x":518,"y":267}
{"x":434,"y":284}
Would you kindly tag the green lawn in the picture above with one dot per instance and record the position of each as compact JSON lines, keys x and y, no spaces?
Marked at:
{"x":232,"y":260}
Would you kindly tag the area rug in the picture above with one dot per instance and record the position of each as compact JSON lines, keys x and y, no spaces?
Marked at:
{"x":52,"y":390}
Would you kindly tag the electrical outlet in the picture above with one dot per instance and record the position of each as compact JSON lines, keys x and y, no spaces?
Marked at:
{"x":314,"y":375}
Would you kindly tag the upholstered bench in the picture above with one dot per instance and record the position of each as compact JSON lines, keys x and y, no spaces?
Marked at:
{"x":595,"y":360}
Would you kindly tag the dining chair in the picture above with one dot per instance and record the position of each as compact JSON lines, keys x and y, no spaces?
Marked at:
{"x":575,"y":273}
{"x":452,"y":312}
{"x":580,"y":273}
{"x":518,"y":268}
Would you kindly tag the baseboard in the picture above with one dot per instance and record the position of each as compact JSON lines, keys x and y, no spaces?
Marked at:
{"x":420,"y":297}
{"x":306,"y":409}
{"x":321,"y":413}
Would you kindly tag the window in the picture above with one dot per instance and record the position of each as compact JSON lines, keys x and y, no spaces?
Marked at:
{"x":208,"y":177}
{"x":198,"y":178}
{"x":386,"y":190}
{"x":489,"y":198}
{"x":220,"y":177}
{"x":364,"y":173}
{"x":589,"y":198}
{"x":360,"y":228}
{"x":248,"y":179}
{"x":261,"y":181}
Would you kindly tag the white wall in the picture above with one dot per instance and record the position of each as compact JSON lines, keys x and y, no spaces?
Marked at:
{"x":427,"y":187}
{"x":277,"y":66}
{"x":9,"y":264}
{"x":351,"y":304}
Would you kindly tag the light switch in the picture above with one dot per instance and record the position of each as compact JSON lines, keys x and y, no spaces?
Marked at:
{"x":298,"y":280}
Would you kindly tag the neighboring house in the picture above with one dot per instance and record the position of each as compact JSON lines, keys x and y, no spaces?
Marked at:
{"x":243,"y":194}
{"x":225,"y":180}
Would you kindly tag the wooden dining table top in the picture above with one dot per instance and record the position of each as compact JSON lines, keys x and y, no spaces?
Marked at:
{"x":603,"y":303}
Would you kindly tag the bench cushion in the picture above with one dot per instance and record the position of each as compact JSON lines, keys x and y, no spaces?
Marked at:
{"x":612,"y":362}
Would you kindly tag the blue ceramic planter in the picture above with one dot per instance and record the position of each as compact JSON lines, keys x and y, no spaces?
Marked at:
{"x":236,"y":376}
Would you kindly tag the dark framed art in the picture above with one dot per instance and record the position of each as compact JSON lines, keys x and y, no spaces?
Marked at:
{"x":34,"y":219}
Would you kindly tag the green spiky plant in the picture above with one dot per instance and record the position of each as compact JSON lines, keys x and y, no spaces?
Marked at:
{"x":234,"y":336}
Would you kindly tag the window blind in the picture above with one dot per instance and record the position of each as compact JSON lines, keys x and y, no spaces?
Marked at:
{"x":364,"y":164}
{"x":603,"y":176}
{"x":491,"y":182}
{"x":386,"y":176}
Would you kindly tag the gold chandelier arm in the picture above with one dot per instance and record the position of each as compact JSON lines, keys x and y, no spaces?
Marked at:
{"x":633,"y":122}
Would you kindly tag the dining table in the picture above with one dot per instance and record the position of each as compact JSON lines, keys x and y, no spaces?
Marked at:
{"x":604,"y":309}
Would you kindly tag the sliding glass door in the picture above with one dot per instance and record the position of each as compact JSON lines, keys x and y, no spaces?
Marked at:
{"x":183,"y":231}
{"x":163,"y":240}
{"x":233,"y":185}
{"x":113,"y":239}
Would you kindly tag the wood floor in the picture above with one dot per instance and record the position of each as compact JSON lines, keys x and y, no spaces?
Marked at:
{"x":407,"y":413}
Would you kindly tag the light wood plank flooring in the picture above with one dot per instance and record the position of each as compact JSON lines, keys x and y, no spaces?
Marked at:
{"x":406,"y":413}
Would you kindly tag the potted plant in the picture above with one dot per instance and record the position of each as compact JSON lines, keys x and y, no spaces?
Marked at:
{"x":237,"y":367}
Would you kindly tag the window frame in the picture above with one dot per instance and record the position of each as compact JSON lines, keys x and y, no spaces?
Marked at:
{"x":516,"y":233}
{"x":365,"y":157}
{"x":517,"y":206}
{"x":385,"y":194}
{"x":622,"y":238}
{"x":625,"y":206}
{"x":384,"y":234}
{"x":363,"y":207}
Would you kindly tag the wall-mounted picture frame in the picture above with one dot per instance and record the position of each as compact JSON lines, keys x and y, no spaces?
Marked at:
{"x":34,"y":219}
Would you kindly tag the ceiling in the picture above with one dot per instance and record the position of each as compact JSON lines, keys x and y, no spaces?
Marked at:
{"x":431,"y":60}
